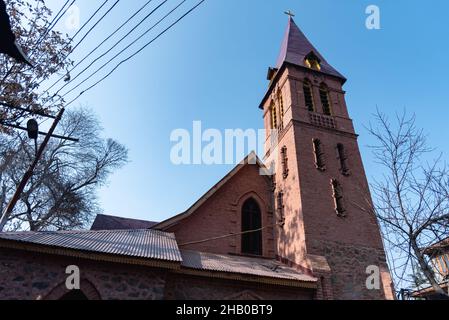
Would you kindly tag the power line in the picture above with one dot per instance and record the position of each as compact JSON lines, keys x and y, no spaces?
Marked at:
{"x":79,"y":31}
{"x":53,"y":23}
{"x":231,"y":235}
{"x":98,"y":46}
{"x":118,"y":42}
{"x":93,"y":27}
{"x":137,"y":52}
{"x":42,"y":37}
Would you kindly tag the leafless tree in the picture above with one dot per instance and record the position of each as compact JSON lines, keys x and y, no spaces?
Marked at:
{"x":411,"y":199}
{"x":62,"y":191}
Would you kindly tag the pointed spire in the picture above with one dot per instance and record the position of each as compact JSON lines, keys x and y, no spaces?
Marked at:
{"x":296,"y":47}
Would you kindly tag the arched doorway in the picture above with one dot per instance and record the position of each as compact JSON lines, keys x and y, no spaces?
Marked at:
{"x":87,"y":292}
{"x":251,"y":220}
{"x":74,"y":295}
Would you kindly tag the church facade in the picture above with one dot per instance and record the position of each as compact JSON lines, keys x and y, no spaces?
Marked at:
{"x":305,"y":232}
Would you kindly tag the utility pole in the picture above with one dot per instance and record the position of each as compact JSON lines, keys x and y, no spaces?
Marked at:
{"x":9,"y":209}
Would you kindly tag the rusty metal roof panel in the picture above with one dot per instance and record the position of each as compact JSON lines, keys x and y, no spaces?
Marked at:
{"x":242,"y":265}
{"x":144,"y":243}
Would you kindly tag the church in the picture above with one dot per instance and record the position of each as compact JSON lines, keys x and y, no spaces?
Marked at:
{"x":303,"y":232}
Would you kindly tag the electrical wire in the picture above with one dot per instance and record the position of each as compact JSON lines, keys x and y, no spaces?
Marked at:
{"x":49,"y":27}
{"x":231,"y":235}
{"x":79,"y":31}
{"x":98,"y":46}
{"x":137,"y":52}
{"x":118,"y":42}
{"x":53,"y":24}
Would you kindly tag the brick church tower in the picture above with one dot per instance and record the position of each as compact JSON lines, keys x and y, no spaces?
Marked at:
{"x":320,"y":188}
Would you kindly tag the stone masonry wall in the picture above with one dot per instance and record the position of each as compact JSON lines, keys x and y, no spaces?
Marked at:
{"x":180,"y":287}
{"x":348,"y":264}
{"x":29,"y":276}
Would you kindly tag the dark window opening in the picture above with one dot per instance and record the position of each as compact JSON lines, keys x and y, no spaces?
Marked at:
{"x":325,"y":101}
{"x":343,"y":159}
{"x":338,"y":197}
{"x":251,"y":221}
{"x":281,"y":110}
{"x":308,"y":96}
{"x":274,"y":121}
{"x":280,"y":206}
{"x":319,"y":155}
{"x":284,"y":162}
{"x":74,"y":295}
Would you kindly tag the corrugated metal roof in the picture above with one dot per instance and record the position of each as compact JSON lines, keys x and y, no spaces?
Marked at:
{"x":105,"y":222}
{"x":241,"y":265}
{"x":151,"y":244}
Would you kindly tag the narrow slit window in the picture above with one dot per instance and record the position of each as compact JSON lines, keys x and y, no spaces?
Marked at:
{"x":281,"y":110}
{"x":325,"y":100}
{"x":280,"y":202}
{"x":343,"y":159}
{"x":274,"y":121}
{"x":308,"y":96}
{"x":319,"y":155}
{"x":338,"y":197}
{"x":284,"y":162}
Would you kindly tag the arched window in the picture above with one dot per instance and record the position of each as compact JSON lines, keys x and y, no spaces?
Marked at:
{"x":281,"y":109}
{"x":251,"y":220}
{"x":274,"y":120}
{"x":319,"y":155}
{"x":338,"y":197}
{"x":308,"y":95}
{"x":325,"y":100}
{"x":343,"y":159}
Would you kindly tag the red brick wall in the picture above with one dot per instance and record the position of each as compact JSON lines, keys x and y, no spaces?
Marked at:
{"x":221,"y":215}
{"x":312,"y":226}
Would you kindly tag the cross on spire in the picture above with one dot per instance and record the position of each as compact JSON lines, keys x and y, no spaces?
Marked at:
{"x":289,"y":13}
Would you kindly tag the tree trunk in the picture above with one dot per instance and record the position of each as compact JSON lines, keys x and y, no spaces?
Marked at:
{"x":425,"y":269}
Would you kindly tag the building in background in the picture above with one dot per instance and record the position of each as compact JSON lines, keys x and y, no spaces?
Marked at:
{"x":438,"y":254}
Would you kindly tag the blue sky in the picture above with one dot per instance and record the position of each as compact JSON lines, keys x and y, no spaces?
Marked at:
{"x":212,"y":67}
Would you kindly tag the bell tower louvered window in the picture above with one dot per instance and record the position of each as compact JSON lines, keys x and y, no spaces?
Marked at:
{"x":308,"y":95}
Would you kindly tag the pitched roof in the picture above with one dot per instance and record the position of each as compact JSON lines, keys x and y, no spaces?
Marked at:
{"x":105,"y":222}
{"x":251,"y":159}
{"x":148,"y":244}
{"x":295,"y":47}
{"x":437,"y":246}
{"x":258,"y":267}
